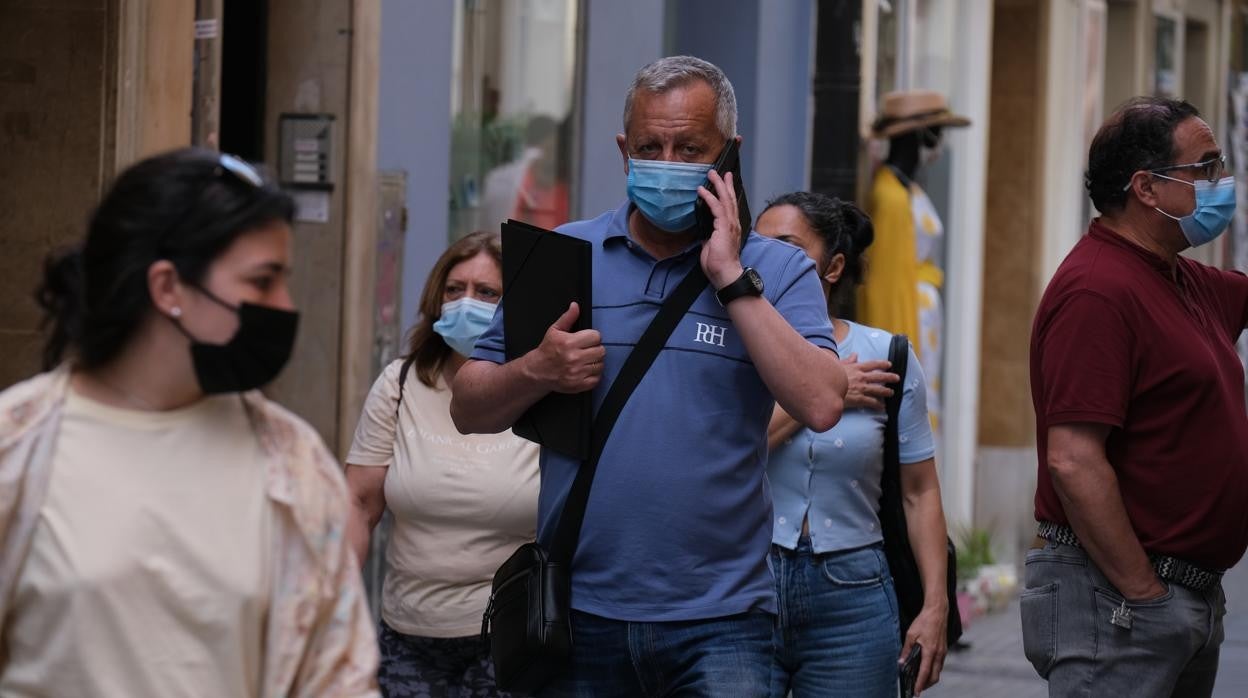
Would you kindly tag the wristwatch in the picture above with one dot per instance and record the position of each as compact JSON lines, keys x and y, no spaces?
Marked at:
{"x":748,"y":284}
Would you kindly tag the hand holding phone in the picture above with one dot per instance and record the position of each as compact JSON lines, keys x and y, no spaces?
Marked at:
{"x":908,"y":672}
{"x":720,"y":199}
{"x":729,"y":160}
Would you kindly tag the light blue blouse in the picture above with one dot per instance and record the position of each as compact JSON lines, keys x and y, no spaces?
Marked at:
{"x":834,"y":477}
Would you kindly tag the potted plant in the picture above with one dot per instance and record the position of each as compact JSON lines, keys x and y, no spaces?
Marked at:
{"x":974,"y":553}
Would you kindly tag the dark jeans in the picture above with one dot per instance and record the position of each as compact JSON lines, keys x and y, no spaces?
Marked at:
{"x":434,"y":667}
{"x":1171,"y":648}
{"x":728,"y":656}
{"x":837,"y":630}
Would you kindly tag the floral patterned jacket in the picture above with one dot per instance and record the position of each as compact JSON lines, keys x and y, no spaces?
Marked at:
{"x":320,"y":639}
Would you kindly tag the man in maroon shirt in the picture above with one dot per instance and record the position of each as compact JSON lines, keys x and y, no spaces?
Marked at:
{"x":1142,"y":492}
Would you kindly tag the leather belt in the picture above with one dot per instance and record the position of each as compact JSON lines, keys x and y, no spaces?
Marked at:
{"x":1171,"y":569}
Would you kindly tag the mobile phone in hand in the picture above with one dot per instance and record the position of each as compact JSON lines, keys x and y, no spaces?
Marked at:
{"x":908,"y":673}
{"x":729,"y":160}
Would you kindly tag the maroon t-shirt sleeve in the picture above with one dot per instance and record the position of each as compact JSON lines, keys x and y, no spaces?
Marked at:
{"x":1234,"y":287}
{"x":1085,"y":362}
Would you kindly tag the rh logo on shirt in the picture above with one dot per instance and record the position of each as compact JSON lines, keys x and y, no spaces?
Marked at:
{"x":711,"y":334}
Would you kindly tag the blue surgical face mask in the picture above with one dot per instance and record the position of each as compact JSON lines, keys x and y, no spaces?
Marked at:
{"x":463,"y":321}
{"x":1215,"y":207}
{"x":665,"y":192}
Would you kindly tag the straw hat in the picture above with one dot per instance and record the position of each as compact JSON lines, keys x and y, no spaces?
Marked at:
{"x":902,"y":112}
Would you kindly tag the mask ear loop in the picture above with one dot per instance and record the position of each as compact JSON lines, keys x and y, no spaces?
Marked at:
{"x":175,"y":313}
{"x":1174,"y":218}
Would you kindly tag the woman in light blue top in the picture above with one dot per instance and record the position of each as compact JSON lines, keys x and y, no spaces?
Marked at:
{"x":837,"y":634}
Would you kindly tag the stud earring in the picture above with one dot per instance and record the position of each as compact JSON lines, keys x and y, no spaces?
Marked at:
{"x":175,"y":311}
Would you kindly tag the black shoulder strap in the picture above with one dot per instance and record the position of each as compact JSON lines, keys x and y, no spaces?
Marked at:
{"x":635,"y":366}
{"x":407,"y":366}
{"x":898,"y":357}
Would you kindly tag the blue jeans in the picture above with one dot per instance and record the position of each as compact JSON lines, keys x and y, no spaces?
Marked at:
{"x":837,"y":631}
{"x":728,"y":656}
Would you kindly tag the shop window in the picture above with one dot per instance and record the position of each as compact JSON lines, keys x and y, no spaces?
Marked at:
{"x":514,"y":85}
{"x":888,"y":59}
{"x":1095,"y":29}
{"x":1197,"y":87}
{"x":1166,"y":58}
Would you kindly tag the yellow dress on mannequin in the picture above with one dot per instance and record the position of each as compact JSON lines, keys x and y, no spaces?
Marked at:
{"x":887,"y":298}
{"x":901,"y":292}
{"x":902,"y":289}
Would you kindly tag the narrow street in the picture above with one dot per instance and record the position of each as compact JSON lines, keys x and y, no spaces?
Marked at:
{"x":994,"y":666}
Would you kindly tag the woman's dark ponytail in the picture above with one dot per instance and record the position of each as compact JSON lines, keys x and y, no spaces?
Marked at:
{"x":844,"y":228}
{"x":858,"y":232}
{"x":61,"y":296}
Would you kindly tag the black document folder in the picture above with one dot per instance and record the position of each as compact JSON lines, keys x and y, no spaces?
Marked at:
{"x":543,"y":272}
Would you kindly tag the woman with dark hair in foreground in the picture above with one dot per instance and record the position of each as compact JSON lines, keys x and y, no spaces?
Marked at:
{"x":165,"y":530}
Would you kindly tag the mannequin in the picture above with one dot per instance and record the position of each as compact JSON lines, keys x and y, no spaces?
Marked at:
{"x":902,"y":289}
{"x":903,"y":154}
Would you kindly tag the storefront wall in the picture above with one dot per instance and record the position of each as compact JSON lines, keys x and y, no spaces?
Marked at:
{"x":620,"y":37}
{"x":1015,"y":221}
{"x":1038,"y":209}
{"x":435,"y":70}
{"x":84,"y":91}
{"x":414,"y":128}
{"x":765,"y":49}
{"x":945,"y":45}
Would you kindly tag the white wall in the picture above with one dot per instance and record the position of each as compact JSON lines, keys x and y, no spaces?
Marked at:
{"x":1065,"y":208}
{"x":969,"y":95}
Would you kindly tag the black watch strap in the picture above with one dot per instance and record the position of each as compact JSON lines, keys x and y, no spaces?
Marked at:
{"x":748,"y":284}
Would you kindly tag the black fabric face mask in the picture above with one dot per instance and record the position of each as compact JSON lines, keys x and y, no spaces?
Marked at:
{"x":254,"y":355}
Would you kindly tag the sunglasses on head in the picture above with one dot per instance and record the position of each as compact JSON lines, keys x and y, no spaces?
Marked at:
{"x":240,"y":169}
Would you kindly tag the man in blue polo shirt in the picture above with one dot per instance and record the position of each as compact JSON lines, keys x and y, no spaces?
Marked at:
{"x":670,"y":585}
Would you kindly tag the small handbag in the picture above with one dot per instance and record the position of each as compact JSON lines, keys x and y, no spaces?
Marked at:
{"x":907,"y":581}
{"x":527,"y":624}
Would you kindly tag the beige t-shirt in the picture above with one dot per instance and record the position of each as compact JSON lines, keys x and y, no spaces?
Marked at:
{"x":461,"y":505}
{"x":148,"y":571}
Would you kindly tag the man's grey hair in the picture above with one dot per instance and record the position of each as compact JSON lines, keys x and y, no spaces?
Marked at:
{"x":669,"y":73}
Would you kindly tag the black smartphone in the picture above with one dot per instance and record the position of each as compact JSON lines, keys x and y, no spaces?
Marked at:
{"x":729,"y":160}
{"x":908,"y":674}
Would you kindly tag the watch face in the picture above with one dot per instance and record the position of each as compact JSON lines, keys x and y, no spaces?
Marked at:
{"x":748,"y":284}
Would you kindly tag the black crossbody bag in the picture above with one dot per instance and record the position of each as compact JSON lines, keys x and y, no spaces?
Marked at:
{"x":907,"y":581}
{"x":527,"y":623}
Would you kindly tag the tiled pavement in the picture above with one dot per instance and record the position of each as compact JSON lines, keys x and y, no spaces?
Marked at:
{"x":994,"y":666}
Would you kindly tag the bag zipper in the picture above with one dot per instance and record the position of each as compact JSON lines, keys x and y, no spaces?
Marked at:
{"x":489,"y":606}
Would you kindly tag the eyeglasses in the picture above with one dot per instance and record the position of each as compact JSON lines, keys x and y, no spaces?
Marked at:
{"x":239,"y":168}
{"x":1211,"y":170}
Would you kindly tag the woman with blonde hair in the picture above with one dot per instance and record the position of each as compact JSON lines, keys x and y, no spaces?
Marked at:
{"x":461,"y":504}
